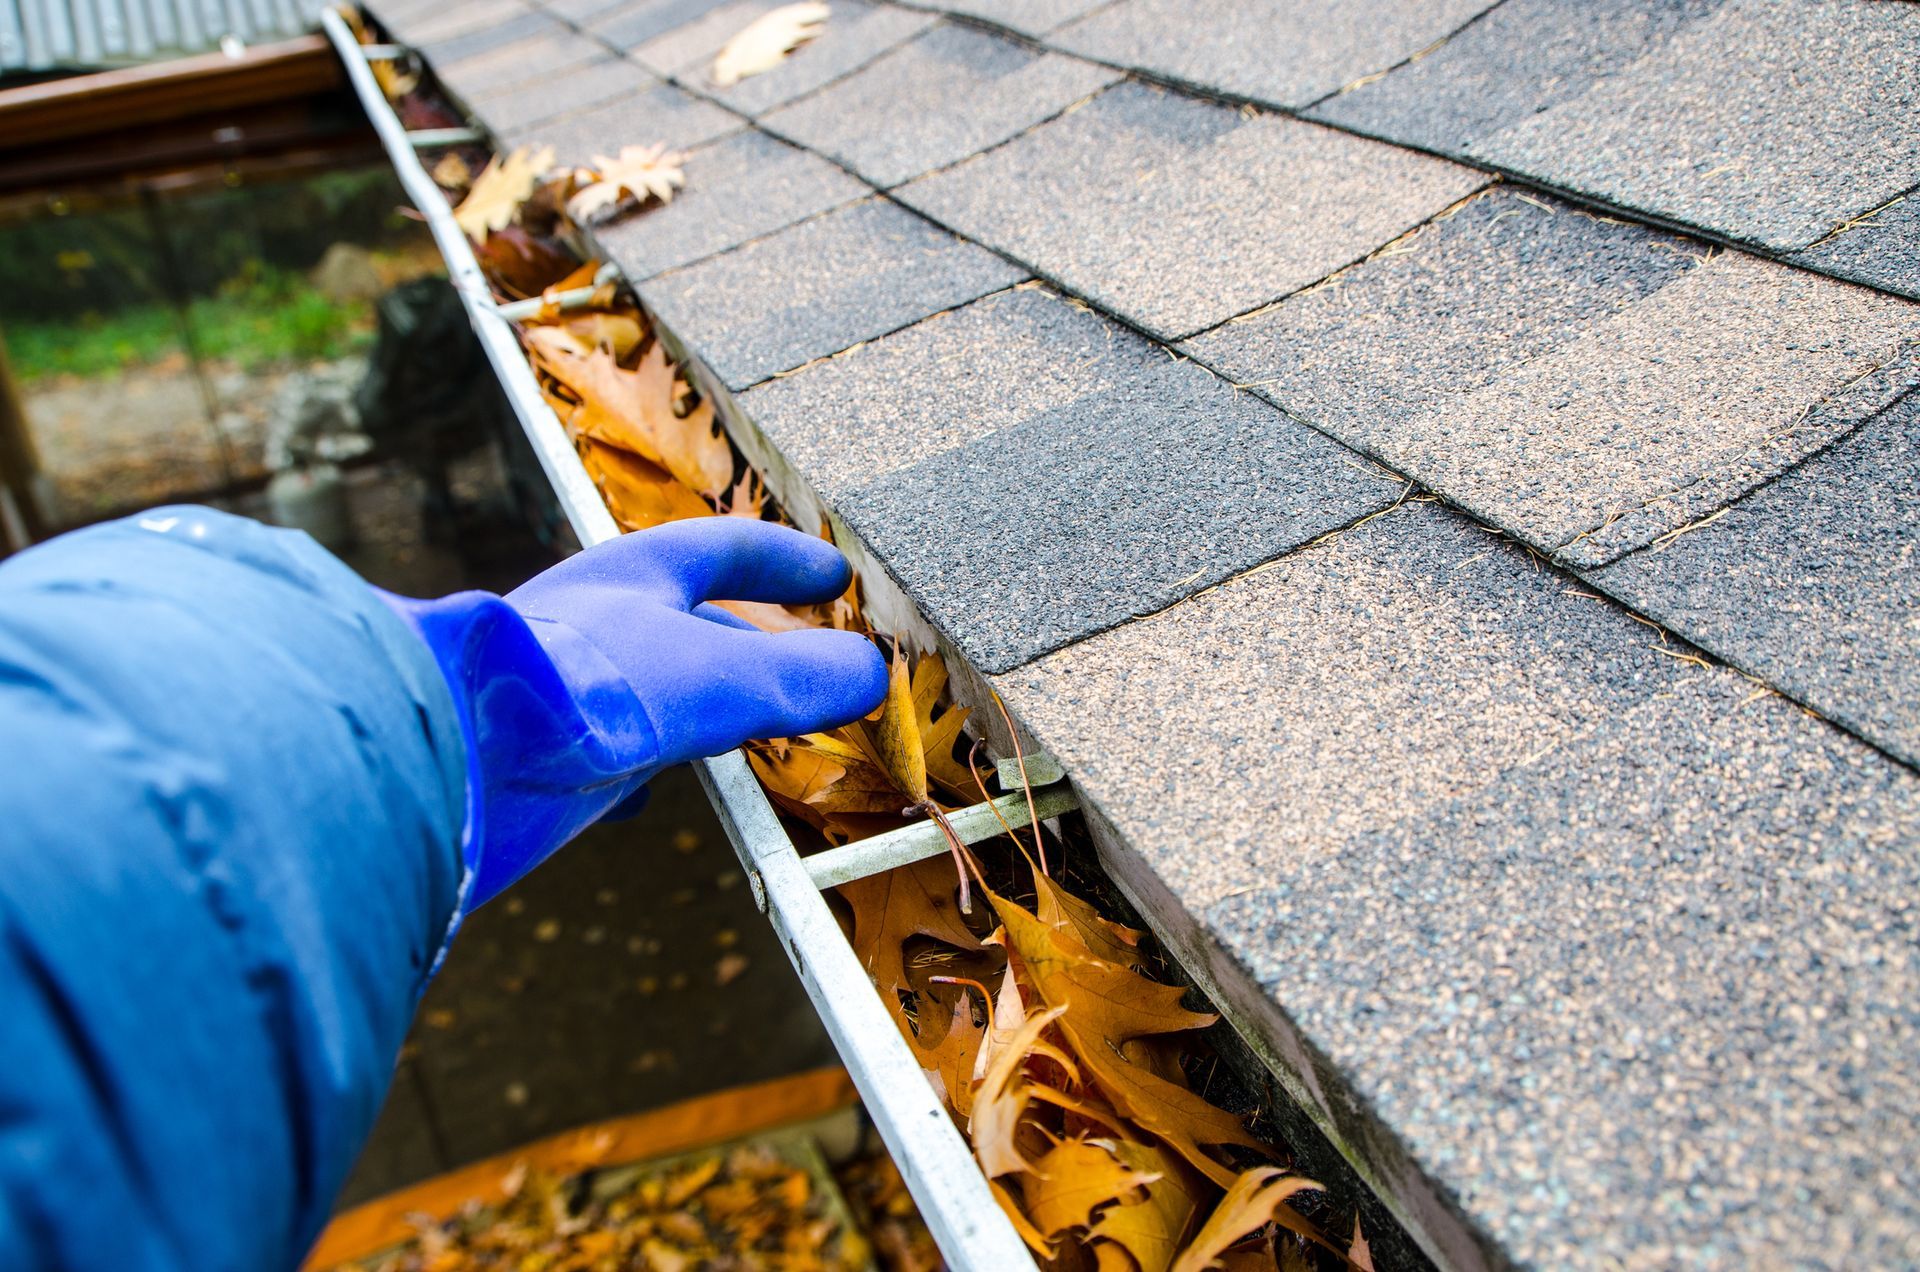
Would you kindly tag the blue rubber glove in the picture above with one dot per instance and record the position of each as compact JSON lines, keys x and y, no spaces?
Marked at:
{"x":576,"y":688}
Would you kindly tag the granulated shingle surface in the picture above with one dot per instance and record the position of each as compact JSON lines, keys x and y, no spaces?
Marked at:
{"x":1549,"y":370}
{"x":510,"y":110}
{"x":660,"y":113}
{"x":855,"y":35}
{"x":1810,"y":582}
{"x":1621,"y":960}
{"x":951,"y":92}
{"x":1883,"y":250}
{"x":633,"y":24}
{"x":442,"y":22}
{"x":1071,"y":477}
{"x":582,"y":11}
{"x":1767,"y":122}
{"x":1654,"y":398}
{"x":472,"y":41}
{"x":1517,"y":60}
{"x":1030,"y":17}
{"x":818,"y":287}
{"x":942,"y":383}
{"x":1178,"y":214}
{"x":512,"y":65}
{"x":1505,"y":279}
{"x":1283,"y":52}
{"x":738,"y":188}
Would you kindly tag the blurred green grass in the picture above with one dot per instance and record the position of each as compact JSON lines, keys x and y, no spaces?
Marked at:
{"x":263,"y":316}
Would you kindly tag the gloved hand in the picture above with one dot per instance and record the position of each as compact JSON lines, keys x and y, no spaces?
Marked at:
{"x":579,"y":686}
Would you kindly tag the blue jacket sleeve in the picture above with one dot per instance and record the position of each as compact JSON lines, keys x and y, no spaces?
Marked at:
{"x":231,"y":796}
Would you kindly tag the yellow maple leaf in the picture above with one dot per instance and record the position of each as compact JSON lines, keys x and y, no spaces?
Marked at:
{"x":770,"y":37}
{"x":644,"y":172}
{"x":502,"y":186}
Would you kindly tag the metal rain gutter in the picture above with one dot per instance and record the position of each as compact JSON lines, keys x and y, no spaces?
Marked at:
{"x":934,"y":1160}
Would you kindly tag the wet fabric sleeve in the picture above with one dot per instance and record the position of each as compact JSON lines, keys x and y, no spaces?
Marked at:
{"x":232,"y":790}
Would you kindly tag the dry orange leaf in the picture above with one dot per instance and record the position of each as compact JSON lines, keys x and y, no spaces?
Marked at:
{"x":1253,"y":1200}
{"x":902,"y":752}
{"x":1021,"y":1224}
{"x":582,"y":333}
{"x":892,"y":908}
{"x":1113,"y":1004}
{"x":1151,"y":1228}
{"x":762,"y":44}
{"x":1003,"y":1024}
{"x":639,"y":494}
{"x":502,"y":186}
{"x":1002,"y":1099}
{"x":634,"y":410}
{"x":949,"y":1062}
{"x":1076,"y":1177}
{"x":642,"y":172}
{"x":1359,"y":1253}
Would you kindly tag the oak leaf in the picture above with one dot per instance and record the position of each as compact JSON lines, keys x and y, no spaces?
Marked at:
{"x":521,"y":263}
{"x":902,"y":752}
{"x":1001,"y":1102}
{"x":640,"y":494}
{"x":502,"y":186}
{"x":639,"y":172}
{"x":1152,"y":1227}
{"x":617,"y":333}
{"x":633,"y":409}
{"x":893,"y":908}
{"x":949,"y":1062}
{"x":1253,"y":1200}
{"x":762,"y":44}
{"x":1106,"y":940}
{"x":1113,"y":1004}
{"x":1359,"y":1253}
{"x":795,"y":775}
{"x":1076,"y":1177}
{"x":1021,"y":1224}
{"x":1003,"y":1022}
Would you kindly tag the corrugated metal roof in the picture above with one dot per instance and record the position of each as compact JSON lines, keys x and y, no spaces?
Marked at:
{"x":42,"y":35}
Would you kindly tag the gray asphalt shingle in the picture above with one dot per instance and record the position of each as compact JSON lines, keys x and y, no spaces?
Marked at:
{"x":855,"y":35}
{"x":1767,"y":122}
{"x":630,"y":25}
{"x":657,"y":113}
{"x":1073,"y":477}
{"x":513,"y":109}
{"x":738,"y":188}
{"x":1029,"y":17}
{"x":1178,"y":214}
{"x":1283,"y":52}
{"x":550,"y":52}
{"x":470,"y":42}
{"x":1810,"y":582}
{"x":1551,"y":370}
{"x":1519,"y":59}
{"x":1575,"y":921}
{"x":1882,"y":249}
{"x":818,"y":287}
{"x":951,"y":92}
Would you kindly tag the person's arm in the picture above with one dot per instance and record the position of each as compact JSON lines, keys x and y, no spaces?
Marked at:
{"x":244,"y":799}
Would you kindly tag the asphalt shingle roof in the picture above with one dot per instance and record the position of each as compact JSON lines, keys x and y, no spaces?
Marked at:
{"x":1450,"y":504}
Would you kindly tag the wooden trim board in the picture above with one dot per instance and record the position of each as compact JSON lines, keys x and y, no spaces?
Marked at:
{"x":678,"y":1128}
